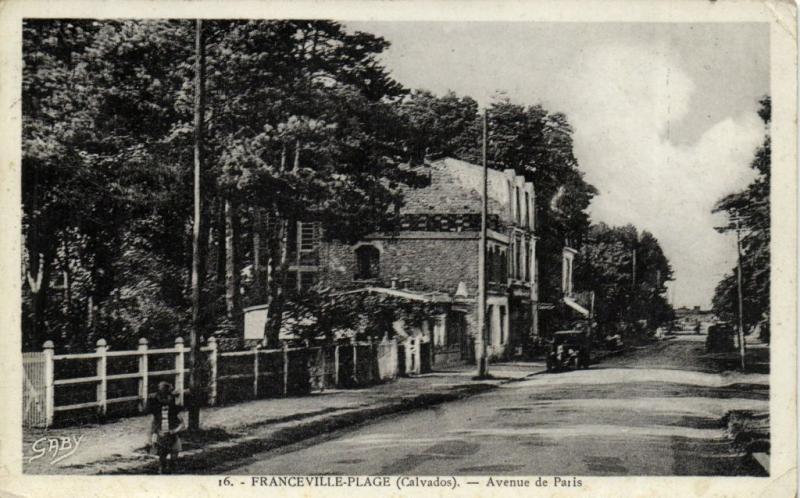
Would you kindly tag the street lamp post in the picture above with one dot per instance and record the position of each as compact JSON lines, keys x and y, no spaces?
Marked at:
{"x":480,"y":346}
{"x":739,"y":291}
{"x":740,"y":305}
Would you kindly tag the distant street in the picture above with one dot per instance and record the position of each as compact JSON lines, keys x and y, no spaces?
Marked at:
{"x":654,"y":411}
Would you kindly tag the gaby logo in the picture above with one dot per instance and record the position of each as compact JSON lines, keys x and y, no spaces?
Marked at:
{"x":58,"y":448}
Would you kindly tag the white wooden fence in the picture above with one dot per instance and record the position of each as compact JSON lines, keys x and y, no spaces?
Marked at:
{"x":321,"y":366}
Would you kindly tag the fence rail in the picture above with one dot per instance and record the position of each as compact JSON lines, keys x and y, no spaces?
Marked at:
{"x":228,"y":376}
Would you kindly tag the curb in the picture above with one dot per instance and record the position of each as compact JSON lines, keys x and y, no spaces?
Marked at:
{"x":275,"y":436}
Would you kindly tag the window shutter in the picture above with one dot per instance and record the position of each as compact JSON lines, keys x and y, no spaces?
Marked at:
{"x":309,"y":236}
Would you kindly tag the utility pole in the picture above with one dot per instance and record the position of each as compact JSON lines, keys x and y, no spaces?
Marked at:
{"x":483,"y":370}
{"x":197,"y":270}
{"x":739,"y":288}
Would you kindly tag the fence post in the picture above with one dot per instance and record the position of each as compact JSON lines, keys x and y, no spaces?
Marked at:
{"x":418,"y":354}
{"x":143,"y":383}
{"x":395,"y":359}
{"x":255,"y":372}
{"x":102,"y":385}
{"x":355,"y":360}
{"x":179,"y":368}
{"x":372,"y":361}
{"x":212,"y":375}
{"x":336,"y":365}
{"x":49,"y":391}
{"x":285,"y":368}
{"x":408,"y":352}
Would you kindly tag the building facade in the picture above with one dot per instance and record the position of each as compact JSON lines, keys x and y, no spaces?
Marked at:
{"x":434,"y":250}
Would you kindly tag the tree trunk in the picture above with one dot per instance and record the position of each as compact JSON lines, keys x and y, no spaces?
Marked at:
{"x":67,"y":281}
{"x":219,"y":241}
{"x":197,"y":252}
{"x":70,"y":327}
{"x":258,"y":236}
{"x":278,"y":275}
{"x":232,"y":300}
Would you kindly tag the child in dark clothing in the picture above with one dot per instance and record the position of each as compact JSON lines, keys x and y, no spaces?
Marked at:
{"x":167,"y":424}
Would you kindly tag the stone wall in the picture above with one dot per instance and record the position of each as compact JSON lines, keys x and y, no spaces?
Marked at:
{"x":432,"y":264}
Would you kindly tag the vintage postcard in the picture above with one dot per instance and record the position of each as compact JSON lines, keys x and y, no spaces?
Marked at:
{"x":399,"y":248}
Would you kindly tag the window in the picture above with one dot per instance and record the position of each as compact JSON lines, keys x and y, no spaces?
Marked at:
{"x":527,"y":208}
{"x":307,"y":243}
{"x":528,"y":264}
{"x":496,"y":263}
{"x":489,"y":268}
{"x":502,"y":324}
{"x":516,"y":198}
{"x":528,"y":214}
{"x":511,"y":261}
{"x":518,"y":249}
{"x":489,"y":321}
{"x":308,"y":236}
{"x":367,"y":262}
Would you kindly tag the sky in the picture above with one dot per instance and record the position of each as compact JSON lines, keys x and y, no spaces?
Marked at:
{"x":664,"y":114}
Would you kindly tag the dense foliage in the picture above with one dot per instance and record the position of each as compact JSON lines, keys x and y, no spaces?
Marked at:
{"x":302,"y":122}
{"x":628,"y":272}
{"x":299,"y":124}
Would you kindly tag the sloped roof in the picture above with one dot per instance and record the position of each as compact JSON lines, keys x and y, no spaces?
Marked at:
{"x":455,"y":187}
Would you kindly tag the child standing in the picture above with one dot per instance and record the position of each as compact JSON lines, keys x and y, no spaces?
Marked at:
{"x":166,"y":427}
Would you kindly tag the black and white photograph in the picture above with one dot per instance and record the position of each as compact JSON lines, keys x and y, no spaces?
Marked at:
{"x":385,"y":253}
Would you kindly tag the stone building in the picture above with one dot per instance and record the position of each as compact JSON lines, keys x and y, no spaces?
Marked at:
{"x":433,"y":251}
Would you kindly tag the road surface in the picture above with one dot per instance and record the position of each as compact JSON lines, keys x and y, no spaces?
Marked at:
{"x":655,"y":411}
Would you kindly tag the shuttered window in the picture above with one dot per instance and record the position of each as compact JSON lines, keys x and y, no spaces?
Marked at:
{"x":308,"y":236}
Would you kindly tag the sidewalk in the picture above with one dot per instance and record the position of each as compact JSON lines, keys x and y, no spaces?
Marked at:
{"x":245,"y":428}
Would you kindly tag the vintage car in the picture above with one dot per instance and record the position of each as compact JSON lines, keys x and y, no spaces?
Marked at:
{"x":569,"y":349}
{"x":720,"y":338}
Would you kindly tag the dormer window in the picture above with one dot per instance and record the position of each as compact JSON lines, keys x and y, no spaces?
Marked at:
{"x":367,"y":262}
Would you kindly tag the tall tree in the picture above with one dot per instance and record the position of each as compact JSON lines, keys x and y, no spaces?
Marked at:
{"x":628,"y":273}
{"x":751,"y":207}
{"x":95,"y":121}
{"x":300,"y":124}
{"x":198,"y":270}
{"x":314,"y":140}
{"x":438,"y":126}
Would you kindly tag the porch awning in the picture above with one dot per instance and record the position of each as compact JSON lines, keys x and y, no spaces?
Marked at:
{"x":428,"y":297}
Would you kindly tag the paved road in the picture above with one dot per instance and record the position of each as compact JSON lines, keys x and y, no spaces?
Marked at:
{"x":656,"y":411}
